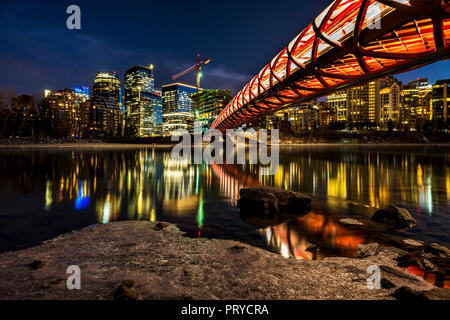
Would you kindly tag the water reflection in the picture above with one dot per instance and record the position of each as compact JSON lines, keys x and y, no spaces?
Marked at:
{"x":348,"y":182}
{"x":45,"y":193}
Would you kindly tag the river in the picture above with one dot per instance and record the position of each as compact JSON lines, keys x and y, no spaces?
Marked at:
{"x":48,"y":192}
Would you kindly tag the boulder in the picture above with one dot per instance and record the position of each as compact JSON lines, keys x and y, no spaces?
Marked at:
{"x":351,"y":221}
{"x":437,"y":250}
{"x":270,"y":201}
{"x":394,"y":216}
{"x":38,"y":264}
{"x":312,"y":248}
{"x":367,"y":250}
{"x":437,"y":294}
{"x":406,"y":293}
{"x":442,"y":264}
{"x":125,"y":292}
{"x":386,"y":284}
{"x":427,"y":264}
{"x":405,"y":260}
{"x":161,"y":226}
{"x":412,"y":242}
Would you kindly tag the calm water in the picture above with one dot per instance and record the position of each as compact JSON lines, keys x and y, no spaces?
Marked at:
{"x":45,"y":193}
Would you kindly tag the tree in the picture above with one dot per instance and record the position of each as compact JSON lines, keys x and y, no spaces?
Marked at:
{"x":47,"y":119}
{"x":5,"y":123}
{"x":130,"y":130}
{"x":390,"y":125}
{"x":24,"y":116}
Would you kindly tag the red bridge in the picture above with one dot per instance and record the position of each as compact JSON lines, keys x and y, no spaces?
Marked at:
{"x":351,"y":42}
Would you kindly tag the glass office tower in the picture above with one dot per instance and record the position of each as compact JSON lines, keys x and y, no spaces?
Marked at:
{"x":178,"y":109}
{"x":142,"y":102}
{"x":106,"y":116}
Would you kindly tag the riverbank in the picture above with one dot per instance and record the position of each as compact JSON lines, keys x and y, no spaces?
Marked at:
{"x":165,"y":264}
{"x":106,"y":145}
{"x":320,"y":137}
{"x":85,"y":146}
{"x":366,"y":137}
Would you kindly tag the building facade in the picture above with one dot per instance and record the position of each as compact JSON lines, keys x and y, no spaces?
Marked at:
{"x":208,"y":104}
{"x":390,"y":104}
{"x":142,"y":103}
{"x":106,"y":116}
{"x":337,"y":102}
{"x":178,"y":109}
{"x":363,"y":104}
{"x":416,"y":104}
{"x":304,"y":117}
{"x":327,"y":115}
{"x":67,"y":111}
{"x":441,"y":101}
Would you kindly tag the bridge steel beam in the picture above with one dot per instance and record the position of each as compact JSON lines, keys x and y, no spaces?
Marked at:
{"x":351,"y":42}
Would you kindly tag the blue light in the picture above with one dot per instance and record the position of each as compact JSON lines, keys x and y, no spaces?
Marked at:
{"x":82,"y":90}
{"x":82,"y":203}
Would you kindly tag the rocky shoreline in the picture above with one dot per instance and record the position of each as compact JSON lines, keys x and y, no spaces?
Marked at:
{"x":154,"y":260}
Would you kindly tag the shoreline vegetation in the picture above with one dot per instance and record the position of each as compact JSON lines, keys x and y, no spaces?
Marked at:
{"x":158,"y":261}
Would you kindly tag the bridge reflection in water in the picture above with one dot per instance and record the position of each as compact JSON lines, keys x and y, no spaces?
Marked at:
{"x":350,"y":182}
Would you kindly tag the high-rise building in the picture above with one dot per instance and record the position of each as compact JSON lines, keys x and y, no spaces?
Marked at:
{"x":327,"y":115}
{"x":142,"y":102}
{"x":178,"y":109}
{"x":390,"y":104}
{"x":106,"y":114}
{"x":208,"y":104}
{"x":416,"y":103}
{"x":441,"y":100}
{"x":67,"y":111}
{"x":304,"y":116}
{"x":337,"y":102}
{"x":360,"y":104}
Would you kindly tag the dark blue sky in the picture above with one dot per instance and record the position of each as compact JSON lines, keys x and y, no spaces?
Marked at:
{"x":38,"y":51}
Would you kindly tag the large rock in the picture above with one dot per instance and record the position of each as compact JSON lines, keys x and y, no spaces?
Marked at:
{"x":368,"y":250}
{"x":125,"y":292}
{"x":443,"y":264}
{"x":394,"y":216}
{"x":437,"y":294}
{"x":38,"y":264}
{"x":437,"y":250}
{"x":406,"y":293}
{"x":270,"y":201}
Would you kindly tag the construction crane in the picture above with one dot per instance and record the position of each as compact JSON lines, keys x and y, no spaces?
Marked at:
{"x":197,"y":67}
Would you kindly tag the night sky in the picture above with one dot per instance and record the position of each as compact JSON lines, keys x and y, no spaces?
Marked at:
{"x":37,"y":50}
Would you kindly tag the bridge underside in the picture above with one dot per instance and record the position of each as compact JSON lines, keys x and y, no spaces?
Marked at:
{"x":351,"y":42}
